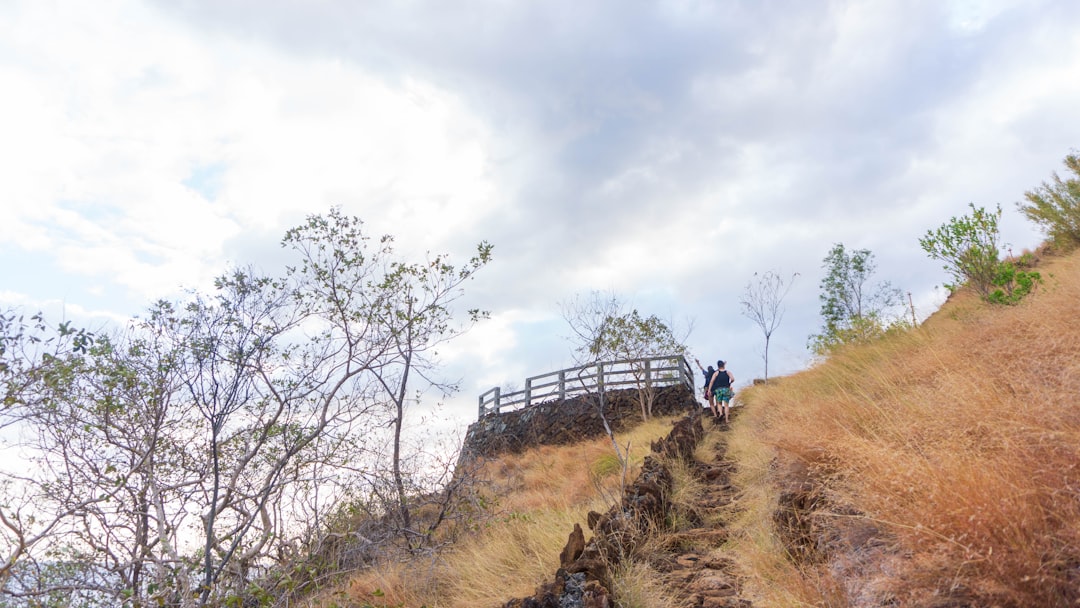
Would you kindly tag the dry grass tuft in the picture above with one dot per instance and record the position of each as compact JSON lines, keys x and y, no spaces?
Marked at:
{"x":636,"y":585}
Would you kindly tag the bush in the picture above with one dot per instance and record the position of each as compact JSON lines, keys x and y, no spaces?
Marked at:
{"x":1014,"y":281}
{"x":969,"y":247}
{"x":858,"y":330}
{"x":1055,"y":207}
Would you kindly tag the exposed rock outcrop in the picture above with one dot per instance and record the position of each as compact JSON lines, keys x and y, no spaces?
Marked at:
{"x":568,"y":421}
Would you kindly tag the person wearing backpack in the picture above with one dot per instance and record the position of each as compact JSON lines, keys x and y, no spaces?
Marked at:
{"x":720,"y":389}
{"x":708,"y":374}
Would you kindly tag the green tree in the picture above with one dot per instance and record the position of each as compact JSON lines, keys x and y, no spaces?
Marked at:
{"x":1055,"y":206}
{"x":969,"y":247}
{"x":853,"y":309}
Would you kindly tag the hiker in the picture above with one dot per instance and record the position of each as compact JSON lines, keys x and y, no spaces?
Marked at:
{"x":720,"y":388}
{"x":708,"y":374}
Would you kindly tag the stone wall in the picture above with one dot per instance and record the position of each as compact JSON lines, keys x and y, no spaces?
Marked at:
{"x":568,"y":421}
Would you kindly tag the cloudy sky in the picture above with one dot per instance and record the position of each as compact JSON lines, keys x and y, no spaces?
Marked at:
{"x":665,"y":151}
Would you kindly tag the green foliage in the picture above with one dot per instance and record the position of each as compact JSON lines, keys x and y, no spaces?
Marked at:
{"x":1013,"y":281}
{"x":605,"y":465}
{"x":1055,"y":206}
{"x":852,"y":309}
{"x":33,"y":357}
{"x":968,"y":246}
{"x":604,"y":330}
{"x":631,"y":335}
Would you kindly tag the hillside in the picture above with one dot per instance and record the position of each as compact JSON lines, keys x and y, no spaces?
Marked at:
{"x":933,"y":468}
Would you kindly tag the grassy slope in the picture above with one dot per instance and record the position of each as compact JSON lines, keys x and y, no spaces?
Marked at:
{"x":536,"y":498}
{"x":939,"y":467}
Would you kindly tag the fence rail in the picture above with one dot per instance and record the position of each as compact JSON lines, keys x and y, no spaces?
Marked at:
{"x":653,"y":372}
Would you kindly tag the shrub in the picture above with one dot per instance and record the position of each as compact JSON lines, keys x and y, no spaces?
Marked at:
{"x":1014,"y":281}
{"x":1055,"y":206}
{"x":969,"y":247}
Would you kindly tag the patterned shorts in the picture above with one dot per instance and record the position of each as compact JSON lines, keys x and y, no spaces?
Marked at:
{"x":723,"y":394}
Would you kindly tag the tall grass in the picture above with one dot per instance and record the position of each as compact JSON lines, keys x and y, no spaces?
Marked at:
{"x":954,"y":450}
{"x":536,"y":498}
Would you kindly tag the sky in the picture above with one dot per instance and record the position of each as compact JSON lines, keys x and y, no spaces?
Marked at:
{"x":663,"y":151}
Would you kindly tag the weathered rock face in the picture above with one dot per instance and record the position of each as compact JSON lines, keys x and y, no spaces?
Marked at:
{"x":568,"y":421}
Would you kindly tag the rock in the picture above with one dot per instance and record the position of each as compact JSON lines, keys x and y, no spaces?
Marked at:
{"x":575,"y":545}
{"x":688,"y":560}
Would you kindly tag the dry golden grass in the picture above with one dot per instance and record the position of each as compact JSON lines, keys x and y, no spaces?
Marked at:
{"x":539,"y":495}
{"x":958,"y":442}
{"x":636,"y":585}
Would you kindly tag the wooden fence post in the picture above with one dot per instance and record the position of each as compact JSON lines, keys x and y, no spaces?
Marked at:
{"x":562,"y":385}
{"x":528,"y":392}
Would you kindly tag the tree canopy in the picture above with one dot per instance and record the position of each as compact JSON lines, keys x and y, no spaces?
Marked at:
{"x":172,"y":462}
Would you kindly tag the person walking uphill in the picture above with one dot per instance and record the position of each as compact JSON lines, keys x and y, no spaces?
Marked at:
{"x":708,"y":374}
{"x":720,"y":388}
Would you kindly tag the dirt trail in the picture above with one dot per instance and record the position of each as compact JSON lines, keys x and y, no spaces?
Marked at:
{"x":703,"y":578}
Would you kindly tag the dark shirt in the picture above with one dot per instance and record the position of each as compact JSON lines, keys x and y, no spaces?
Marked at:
{"x":722,"y":380}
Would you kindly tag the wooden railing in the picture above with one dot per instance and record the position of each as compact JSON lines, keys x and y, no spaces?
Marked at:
{"x":651,"y":372}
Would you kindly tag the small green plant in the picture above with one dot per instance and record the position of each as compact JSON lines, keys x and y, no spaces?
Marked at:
{"x":605,"y":465}
{"x":1014,"y":280}
{"x":1055,"y":206}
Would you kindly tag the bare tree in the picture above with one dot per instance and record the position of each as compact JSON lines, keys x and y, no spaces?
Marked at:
{"x":176,"y":460}
{"x":587,"y":317}
{"x":409,"y":316}
{"x":603,"y":330}
{"x":762,"y":303}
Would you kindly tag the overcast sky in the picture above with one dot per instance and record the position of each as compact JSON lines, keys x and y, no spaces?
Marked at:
{"x":665,"y":151}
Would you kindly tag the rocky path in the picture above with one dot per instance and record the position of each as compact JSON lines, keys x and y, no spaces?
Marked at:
{"x":702,"y":577}
{"x":690,"y":558}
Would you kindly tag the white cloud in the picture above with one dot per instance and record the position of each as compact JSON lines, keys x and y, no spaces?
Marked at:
{"x":667,"y":151}
{"x":120,"y":107}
